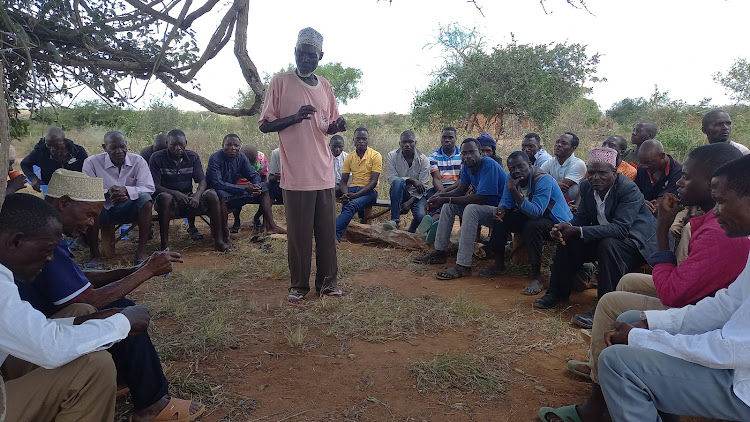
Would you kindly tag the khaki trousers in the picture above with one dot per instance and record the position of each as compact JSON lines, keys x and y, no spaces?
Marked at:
{"x":634,"y":292}
{"x":82,"y":390}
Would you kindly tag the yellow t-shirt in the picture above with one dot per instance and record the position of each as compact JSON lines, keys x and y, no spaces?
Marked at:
{"x":360,"y":169}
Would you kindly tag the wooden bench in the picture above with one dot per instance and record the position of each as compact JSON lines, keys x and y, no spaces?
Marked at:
{"x":110,"y":234}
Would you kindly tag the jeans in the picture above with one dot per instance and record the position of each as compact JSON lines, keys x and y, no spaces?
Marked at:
{"x":399,"y":195}
{"x":352,"y":207}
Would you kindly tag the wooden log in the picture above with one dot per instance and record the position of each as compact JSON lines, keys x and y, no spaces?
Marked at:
{"x":363,"y":233}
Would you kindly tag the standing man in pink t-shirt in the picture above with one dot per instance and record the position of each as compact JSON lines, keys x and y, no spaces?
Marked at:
{"x":300,"y":106}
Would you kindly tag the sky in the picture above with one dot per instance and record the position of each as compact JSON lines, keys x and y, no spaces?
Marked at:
{"x":675,"y":44}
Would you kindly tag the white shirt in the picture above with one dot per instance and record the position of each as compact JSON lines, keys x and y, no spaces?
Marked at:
{"x":135,"y":174}
{"x":743,"y":149}
{"x":50,"y":343}
{"x":600,"y":206}
{"x":338,"y":166}
{"x":713,"y":333}
{"x":572,"y":169}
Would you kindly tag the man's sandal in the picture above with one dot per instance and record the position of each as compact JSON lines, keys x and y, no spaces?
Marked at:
{"x":572,"y":368}
{"x":567,"y":413}
{"x":177,"y":410}
{"x":492,"y":271}
{"x":336,"y":292}
{"x":295,"y":298}
{"x":453,"y":273}
{"x":195,"y":234}
{"x":431,"y":258}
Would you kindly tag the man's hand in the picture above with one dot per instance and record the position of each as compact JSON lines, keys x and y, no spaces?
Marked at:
{"x":254,"y":190}
{"x":511,"y":183}
{"x":139,"y":318}
{"x":669,"y":206}
{"x":338,"y":126}
{"x":305,"y":113}
{"x":417,"y":185}
{"x":563,"y":231}
{"x":651,"y":206}
{"x":118,"y":194}
{"x":407,"y":205}
{"x":436,"y":202}
{"x":106,"y":313}
{"x":194,"y":202}
{"x":160,"y":263}
{"x":563,"y":187}
{"x":15,"y":184}
{"x":36,"y":185}
{"x":619,"y":335}
{"x":181,"y":198}
{"x":500,"y":213}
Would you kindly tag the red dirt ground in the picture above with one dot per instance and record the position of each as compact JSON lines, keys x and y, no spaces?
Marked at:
{"x":361,"y":381}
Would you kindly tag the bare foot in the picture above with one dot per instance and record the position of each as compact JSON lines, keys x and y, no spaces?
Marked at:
{"x":221,"y":246}
{"x":152,"y":411}
{"x":533,"y":288}
{"x":275,"y":230}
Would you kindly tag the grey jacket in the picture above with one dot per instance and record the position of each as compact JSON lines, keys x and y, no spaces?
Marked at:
{"x":398,"y":168}
{"x":626,"y":211}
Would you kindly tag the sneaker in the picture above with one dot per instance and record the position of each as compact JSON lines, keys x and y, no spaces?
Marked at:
{"x":585,"y":320}
{"x":390,"y":225}
{"x":548,"y":301}
{"x":295,"y":297}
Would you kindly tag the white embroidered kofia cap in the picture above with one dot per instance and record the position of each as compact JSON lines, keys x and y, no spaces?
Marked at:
{"x":76,"y":185}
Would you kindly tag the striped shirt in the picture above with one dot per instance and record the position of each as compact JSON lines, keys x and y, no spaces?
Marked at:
{"x":179,"y":177}
{"x":448,"y":166}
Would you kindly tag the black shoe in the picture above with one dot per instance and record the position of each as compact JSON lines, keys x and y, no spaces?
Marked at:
{"x":548,"y":301}
{"x":585,"y":320}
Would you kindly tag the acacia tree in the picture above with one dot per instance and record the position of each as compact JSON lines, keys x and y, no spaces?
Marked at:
{"x":529,"y":81}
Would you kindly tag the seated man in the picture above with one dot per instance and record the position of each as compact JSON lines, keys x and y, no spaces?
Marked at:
{"x":174,"y":170}
{"x":532,"y":146}
{"x":488,"y":180}
{"x":364,"y":165}
{"x":642,"y":132}
{"x":336,"y":144}
{"x":260,"y":165}
{"x":532,"y":203}
{"x":691,"y":359}
{"x":717,"y":126}
{"x":409,"y":175}
{"x":160,"y":143}
{"x":52,"y":152}
{"x":565,"y":167}
{"x":715,"y":260}
{"x":225,"y":167}
{"x":658,"y":172}
{"x":619,"y":144}
{"x":613,"y":226}
{"x":79,"y":200}
{"x":445,"y":168}
{"x":489,"y":148}
{"x":53,"y":369}
{"x":128,"y":187}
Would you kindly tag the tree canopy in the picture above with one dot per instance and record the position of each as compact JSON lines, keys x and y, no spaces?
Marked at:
{"x":736,"y":81}
{"x":529,"y":81}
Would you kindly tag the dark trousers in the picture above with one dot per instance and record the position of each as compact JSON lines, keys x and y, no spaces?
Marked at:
{"x":534,"y":231}
{"x":311,"y":213}
{"x":616,"y":257}
{"x":138,"y":365}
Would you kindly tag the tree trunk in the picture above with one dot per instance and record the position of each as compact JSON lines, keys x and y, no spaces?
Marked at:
{"x":4,"y":134}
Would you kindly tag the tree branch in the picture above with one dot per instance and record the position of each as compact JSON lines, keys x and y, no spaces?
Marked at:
{"x":208,"y":104}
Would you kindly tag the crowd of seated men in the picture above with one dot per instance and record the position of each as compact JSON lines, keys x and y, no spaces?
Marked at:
{"x":653,"y":336}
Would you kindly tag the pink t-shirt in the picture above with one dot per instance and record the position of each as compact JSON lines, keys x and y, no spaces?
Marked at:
{"x":306,"y":159}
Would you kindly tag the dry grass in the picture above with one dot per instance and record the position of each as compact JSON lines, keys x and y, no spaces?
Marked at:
{"x":295,"y":336}
{"x":465,"y":372}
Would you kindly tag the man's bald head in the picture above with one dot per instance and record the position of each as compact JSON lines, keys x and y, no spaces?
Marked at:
{"x":644,"y":131}
{"x":251,"y":152}
{"x":652,"y":156}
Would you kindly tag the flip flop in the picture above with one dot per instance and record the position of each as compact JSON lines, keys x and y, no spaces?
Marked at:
{"x":432,"y":233}
{"x":122,"y":390}
{"x":492,"y":271}
{"x":431,"y":259}
{"x":424,"y":225}
{"x":195,"y":234}
{"x":572,"y":368}
{"x":528,"y":291}
{"x":447,"y":275}
{"x":92,"y":265}
{"x":179,"y":408}
{"x":567,"y":413}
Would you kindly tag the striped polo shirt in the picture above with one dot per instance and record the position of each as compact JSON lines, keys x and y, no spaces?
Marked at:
{"x":449,"y":166}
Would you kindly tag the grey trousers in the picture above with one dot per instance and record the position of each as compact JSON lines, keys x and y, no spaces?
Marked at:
{"x":640,"y":383}
{"x":311,"y":213}
{"x":473,"y":215}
